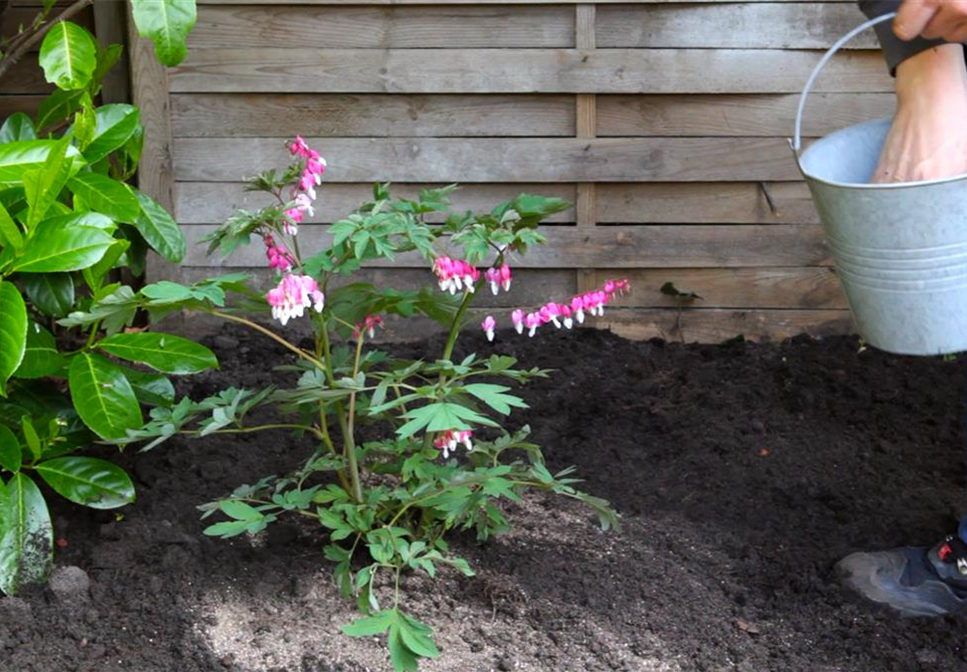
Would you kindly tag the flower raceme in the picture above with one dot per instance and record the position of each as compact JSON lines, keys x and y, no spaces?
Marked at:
{"x":449,"y":440}
{"x":304,"y":193}
{"x":293,"y":295}
{"x":561,"y":314}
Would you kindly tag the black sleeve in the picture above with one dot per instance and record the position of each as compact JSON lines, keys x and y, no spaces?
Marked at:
{"x":894,"y":49}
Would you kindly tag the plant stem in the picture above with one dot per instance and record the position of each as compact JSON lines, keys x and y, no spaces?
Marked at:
{"x":350,"y":439}
{"x":11,"y":58}
{"x":275,"y":337}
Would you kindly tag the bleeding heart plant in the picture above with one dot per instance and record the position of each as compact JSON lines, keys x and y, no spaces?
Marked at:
{"x":437,"y":458}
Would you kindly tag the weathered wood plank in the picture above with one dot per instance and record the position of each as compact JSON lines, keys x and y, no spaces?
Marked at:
{"x":809,"y":287}
{"x":110,"y":28}
{"x":715,"y":326}
{"x":11,"y":104}
{"x":739,"y":25}
{"x":500,"y":160}
{"x":342,"y":115}
{"x":213,"y":202}
{"x":705,"y":203}
{"x":275,"y":70}
{"x":384,"y":27}
{"x":16,"y":16}
{"x":25,"y":77}
{"x":731,"y":115}
{"x":614,"y":247}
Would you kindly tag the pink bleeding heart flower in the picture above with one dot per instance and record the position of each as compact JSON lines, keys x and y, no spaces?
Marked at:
{"x":293,"y":295}
{"x":517,"y":317}
{"x":532,"y":322}
{"x":498,"y":278}
{"x":454,"y":275}
{"x":489,"y":325}
{"x":449,"y":440}
{"x":316,"y":166}
{"x":298,"y":147}
{"x":279,"y":258}
{"x":368,"y":326}
{"x":549,"y":313}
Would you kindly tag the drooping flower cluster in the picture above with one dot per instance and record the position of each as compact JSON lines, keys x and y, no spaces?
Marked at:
{"x":293,"y":295}
{"x":455,"y":275}
{"x":564,"y":314}
{"x":368,"y":326}
{"x":449,"y":440}
{"x":499,"y":278}
{"x":279,"y":257}
{"x":304,"y":193}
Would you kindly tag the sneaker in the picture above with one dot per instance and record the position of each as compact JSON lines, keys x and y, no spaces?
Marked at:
{"x":916,"y":581}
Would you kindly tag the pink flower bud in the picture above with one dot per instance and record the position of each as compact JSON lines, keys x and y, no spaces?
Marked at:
{"x":518,"y":319}
{"x":489,"y":325}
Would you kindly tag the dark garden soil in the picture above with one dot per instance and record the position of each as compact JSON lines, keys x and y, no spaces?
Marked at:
{"x":743,"y":472}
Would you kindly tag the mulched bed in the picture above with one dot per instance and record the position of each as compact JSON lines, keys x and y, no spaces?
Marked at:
{"x":743,"y":472}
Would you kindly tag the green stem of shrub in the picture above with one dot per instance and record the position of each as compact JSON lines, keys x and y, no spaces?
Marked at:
{"x":350,"y":439}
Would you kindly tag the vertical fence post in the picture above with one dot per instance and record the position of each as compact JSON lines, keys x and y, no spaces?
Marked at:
{"x":586,"y":127}
{"x":149,"y":91}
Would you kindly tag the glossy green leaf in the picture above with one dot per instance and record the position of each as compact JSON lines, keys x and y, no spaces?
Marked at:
{"x":68,"y":56}
{"x":94,"y":220}
{"x":58,"y":106}
{"x":13,"y":331}
{"x":43,"y":185}
{"x":162,"y":352}
{"x":18,"y":126}
{"x":68,"y":249}
{"x":10,"y":233}
{"x":41,"y":357}
{"x":31,"y":437}
{"x":18,"y":157}
{"x":103,"y":397}
{"x":100,"y":193}
{"x":88,"y":481}
{"x":94,"y":275}
{"x":26,"y":535}
{"x":159,"y":229}
{"x":115,"y":126}
{"x":10,"y":453}
{"x":50,"y":293}
{"x":153,"y":389}
{"x":167,"y":24}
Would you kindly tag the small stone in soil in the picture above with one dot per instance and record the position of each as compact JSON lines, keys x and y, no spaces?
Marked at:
{"x":70,"y":584}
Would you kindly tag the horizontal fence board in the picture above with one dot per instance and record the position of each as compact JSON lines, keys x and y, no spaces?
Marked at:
{"x":615,"y":247}
{"x":26,"y":103}
{"x":713,"y":326}
{"x":736,"y":115}
{"x":500,"y":160}
{"x":15,"y":17}
{"x":25,"y":77}
{"x":739,"y":25}
{"x":704,"y":203}
{"x":212,"y":203}
{"x":373,"y":27}
{"x":278,"y":70}
{"x":808,"y":288}
{"x":371,"y":115}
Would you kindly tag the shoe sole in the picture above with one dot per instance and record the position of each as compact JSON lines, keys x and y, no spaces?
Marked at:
{"x":876,"y":576}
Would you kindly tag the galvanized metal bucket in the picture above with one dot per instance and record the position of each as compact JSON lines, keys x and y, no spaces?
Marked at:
{"x":900,"y":249}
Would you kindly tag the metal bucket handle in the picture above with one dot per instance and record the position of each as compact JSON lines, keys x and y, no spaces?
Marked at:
{"x":796,"y":142}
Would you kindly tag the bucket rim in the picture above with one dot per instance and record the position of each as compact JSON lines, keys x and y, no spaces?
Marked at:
{"x":800,"y":155}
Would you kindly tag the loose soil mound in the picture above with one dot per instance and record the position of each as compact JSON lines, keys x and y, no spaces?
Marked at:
{"x":743,"y":473}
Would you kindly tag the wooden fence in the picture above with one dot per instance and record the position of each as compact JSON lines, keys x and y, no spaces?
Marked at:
{"x":665,"y":123}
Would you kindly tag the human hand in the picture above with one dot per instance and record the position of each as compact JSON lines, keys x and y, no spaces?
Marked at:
{"x":932,"y":19}
{"x":928,"y":138}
